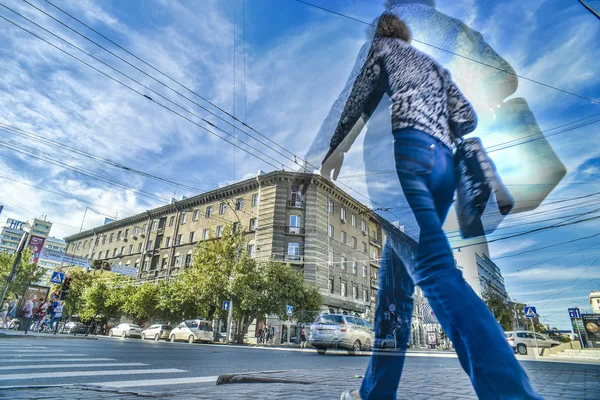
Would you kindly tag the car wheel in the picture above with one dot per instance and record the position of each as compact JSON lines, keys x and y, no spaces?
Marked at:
{"x":124,"y":335}
{"x":172,"y":338}
{"x":191,"y":339}
{"x":321,"y":350}
{"x":110,"y":333}
{"x":143,"y":336}
{"x":156,"y":337}
{"x":521,"y":349}
{"x":356,"y":348}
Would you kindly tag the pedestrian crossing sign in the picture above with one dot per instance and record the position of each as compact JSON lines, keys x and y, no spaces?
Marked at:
{"x":57,"y":277}
{"x":530,"y":312}
{"x":289,"y":310}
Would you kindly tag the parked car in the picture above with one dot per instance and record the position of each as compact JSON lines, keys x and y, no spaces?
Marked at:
{"x":126,"y":330}
{"x":193,"y":330}
{"x":385,"y":343}
{"x":73,"y":328}
{"x":353,"y":334}
{"x":157,"y":332}
{"x":520,"y":341}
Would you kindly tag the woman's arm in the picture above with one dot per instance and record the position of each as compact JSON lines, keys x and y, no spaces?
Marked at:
{"x":462,"y":117}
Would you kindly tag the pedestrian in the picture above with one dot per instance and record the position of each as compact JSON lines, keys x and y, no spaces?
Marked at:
{"x":27,"y":309}
{"x":12,"y":307}
{"x":271,"y":334}
{"x":3,"y":314}
{"x":57,"y":315}
{"x":303,"y":338}
{"x":429,"y":114}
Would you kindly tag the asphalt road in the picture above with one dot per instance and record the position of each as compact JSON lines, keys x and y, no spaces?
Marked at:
{"x":151,"y":366}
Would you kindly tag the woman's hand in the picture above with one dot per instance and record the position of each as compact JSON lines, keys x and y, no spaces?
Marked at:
{"x":332,"y":163}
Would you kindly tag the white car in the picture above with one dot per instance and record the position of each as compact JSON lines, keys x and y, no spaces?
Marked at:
{"x":126,"y":330}
{"x":520,"y":341}
{"x":193,"y":330}
{"x":157,"y":332}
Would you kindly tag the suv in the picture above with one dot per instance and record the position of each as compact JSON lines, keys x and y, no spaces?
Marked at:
{"x":341,"y":331}
{"x":521,"y":340}
{"x":157,"y":332}
{"x":193,"y":330}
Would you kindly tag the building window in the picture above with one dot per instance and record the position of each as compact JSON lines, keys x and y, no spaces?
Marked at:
{"x":254,"y":199}
{"x":146,"y":265}
{"x":330,"y":231}
{"x":343,"y":214}
{"x":140,"y":247}
{"x":115,"y":252}
{"x":144,"y":228}
{"x":365,"y":295}
{"x":195,"y":215}
{"x":126,"y":235}
{"x":354,"y":292}
{"x":295,"y":221}
{"x":178,"y":240}
{"x":188,"y":260}
{"x":330,"y":285}
{"x":119,"y":235}
{"x":154,"y":226}
{"x":172,"y":220}
{"x":363,"y":227}
{"x":294,"y":249}
{"x":252,"y":224}
{"x":236,"y":228}
{"x":251,"y":250}
{"x":183,"y":218}
{"x":343,"y":263}
{"x":343,"y":237}
{"x":122,"y":252}
{"x":176,"y":261}
{"x":85,"y":243}
{"x":130,"y":249}
{"x":219,"y":231}
{"x":374,"y":273}
{"x":353,"y":218}
{"x":135,"y":230}
{"x":205,"y":233}
{"x":168,"y":241}
{"x":110,"y":239}
{"x":364,"y":271}
{"x":209,"y":211}
{"x":164,"y":262}
{"x":149,"y":245}
{"x":354,"y":267}
{"x":330,"y":206}
{"x":354,"y":243}
{"x":104,"y":239}
{"x":239,"y":203}
{"x":365,"y":248}
{"x":374,"y":255}
{"x":330,"y":258}
{"x":343,"y":292}
{"x":192,"y":237}
{"x":222,"y":208}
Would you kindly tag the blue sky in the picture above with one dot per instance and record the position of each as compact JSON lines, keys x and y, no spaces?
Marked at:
{"x":297,"y":60}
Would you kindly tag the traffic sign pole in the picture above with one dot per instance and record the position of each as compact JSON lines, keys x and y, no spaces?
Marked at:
{"x":537,"y":351}
{"x":229,"y":318}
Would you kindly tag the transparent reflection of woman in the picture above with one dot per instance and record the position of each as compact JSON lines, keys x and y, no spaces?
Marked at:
{"x":429,"y":113}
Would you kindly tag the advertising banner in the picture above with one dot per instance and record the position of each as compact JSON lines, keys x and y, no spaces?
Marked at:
{"x":591,"y":323}
{"x":36,"y":244}
{"x":52,"y":255}
{"x":35,"y":294}
{"x":124,"y":270}
{"x":76,"y":260}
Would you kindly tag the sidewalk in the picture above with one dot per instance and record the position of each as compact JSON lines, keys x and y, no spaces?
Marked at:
{"x":564,"y":383}
{"x":6,"y":334}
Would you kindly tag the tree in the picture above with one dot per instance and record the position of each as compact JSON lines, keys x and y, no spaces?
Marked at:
{"x":143,"y":302}
{"x":80,"y":281}
{"x":500,"y":308}
{"x":106,"y":297}
{"x":26,"y":273}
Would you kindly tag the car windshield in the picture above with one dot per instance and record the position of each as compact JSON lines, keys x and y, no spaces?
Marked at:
{"x":167,"y":327}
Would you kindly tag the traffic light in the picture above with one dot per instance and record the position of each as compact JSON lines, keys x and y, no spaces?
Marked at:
{"x":65,"y":288}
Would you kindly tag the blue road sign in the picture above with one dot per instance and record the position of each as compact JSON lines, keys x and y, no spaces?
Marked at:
{"x":226,"y":305}
{"x":289,"y":310}
{"x":574,"y":313}
{"x":530,"y":312}
{"x":57,"y":277}
{"x":392,"y":307}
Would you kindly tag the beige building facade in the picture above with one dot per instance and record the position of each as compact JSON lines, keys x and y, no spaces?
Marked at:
{"x":297,"y":218}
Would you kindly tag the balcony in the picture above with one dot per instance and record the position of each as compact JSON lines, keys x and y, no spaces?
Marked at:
{"x":294,"y":230}
{"x":296,"y":204}
{"x":288,"y":258}
{"x":374,"y":262}
{"x":373,"y":241}
{"x":160,"y":231}
{"x":374,"y":283}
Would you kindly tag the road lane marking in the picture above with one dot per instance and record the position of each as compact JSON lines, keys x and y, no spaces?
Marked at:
{"x":156,"y":382}
{"x":21,"y":347}
{"x":16,"y":350}
{"x":44,"y":354}
{"x":42,"y":375}
{"x":47,"y":366}
{"x":54,"y":360}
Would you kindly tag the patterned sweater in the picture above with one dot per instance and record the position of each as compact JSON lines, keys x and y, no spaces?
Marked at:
{"x":423,"y":95}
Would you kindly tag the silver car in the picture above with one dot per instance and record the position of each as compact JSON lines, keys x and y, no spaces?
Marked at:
{"x":126,"y":330}
{"x":157,"y":332}
{"x":520,"y":341}
{"x":193,"y":330}
{"x":353,"y":334}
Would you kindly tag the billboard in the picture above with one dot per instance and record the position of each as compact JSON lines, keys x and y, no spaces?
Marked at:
{"x":35,"y":294}
{"x":36,"y":244}
{"x":591,"y":323}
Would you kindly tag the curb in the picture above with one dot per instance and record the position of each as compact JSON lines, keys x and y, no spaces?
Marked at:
{"x":7,"y":336}
{"x":257,"y":377}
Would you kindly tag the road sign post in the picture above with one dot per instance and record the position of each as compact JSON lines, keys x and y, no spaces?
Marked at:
{"x":531,"y":312}
{"x":57,"y":277}
{"x":229,"y":318}
{"x":289,"y":310}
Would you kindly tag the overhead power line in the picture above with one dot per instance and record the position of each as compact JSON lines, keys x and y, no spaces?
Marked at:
{"x":461,"y":56}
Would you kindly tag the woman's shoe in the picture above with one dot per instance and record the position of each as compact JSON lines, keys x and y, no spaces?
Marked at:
{"x":350,"y":395}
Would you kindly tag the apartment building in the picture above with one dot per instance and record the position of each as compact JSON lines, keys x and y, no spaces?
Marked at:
{"x":297,"y":218}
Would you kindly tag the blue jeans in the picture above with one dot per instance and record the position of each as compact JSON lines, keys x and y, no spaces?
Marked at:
{"x":425,"y":169}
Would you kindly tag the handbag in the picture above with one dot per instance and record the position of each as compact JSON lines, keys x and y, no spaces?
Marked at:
{"x":477,"y":179}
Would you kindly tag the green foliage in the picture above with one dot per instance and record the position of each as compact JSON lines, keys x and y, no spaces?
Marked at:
{"x":27,"y":273}
{"x":500,"y":309}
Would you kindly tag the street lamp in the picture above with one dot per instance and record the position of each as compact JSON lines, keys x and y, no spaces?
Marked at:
{"x":97,"y":212}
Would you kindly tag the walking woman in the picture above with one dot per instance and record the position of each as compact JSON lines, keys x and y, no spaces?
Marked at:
{"x":429,"y":113}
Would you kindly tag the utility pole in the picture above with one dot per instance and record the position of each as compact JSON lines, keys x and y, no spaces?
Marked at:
{"x":16,"y":262}
{"x":229,"y":320}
